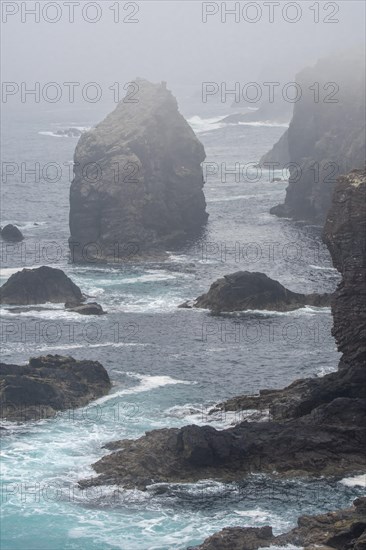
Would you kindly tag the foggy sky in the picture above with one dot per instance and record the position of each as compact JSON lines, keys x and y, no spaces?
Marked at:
{"x":170,"y":42}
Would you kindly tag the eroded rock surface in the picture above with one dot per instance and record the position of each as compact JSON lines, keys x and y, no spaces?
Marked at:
{"x":138,"y":181}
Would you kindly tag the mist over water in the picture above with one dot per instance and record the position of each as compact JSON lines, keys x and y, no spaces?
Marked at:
{"x":168,"y":366}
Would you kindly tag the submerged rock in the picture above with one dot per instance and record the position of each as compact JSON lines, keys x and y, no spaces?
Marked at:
{"x":69,"y":132}
{"x":326,"y":136}
{"x":90,"y":308}
{"x":138,"y":180}
{"x":245,"y":290}
{"x":38,"y":286}
{"x":11,"y":233}
{"x":49,"y":384}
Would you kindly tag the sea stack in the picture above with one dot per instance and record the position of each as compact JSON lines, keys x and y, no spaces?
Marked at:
{"x":138,"y":180}
{"x":326,"y":136}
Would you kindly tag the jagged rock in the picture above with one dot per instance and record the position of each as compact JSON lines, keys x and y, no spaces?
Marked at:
{"x":146,"y":188}
{"x":38,"y":286}
{"x":326,"y":136}
{"x":315,"y":444}
{"x":341,"y":530}
{"x":245,"y":290}
{"x":49,"y":384}
{"x":11,"y":233}
{"x":91,"y":308}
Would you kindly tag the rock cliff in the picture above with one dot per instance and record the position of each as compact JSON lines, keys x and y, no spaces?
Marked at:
{"x":345,"y":236}
{"x":326,"y":136}
{"x":138,"y":180}
{"x":318,"y":425}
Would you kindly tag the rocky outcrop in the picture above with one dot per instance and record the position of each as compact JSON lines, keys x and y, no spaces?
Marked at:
{"x":11,"y":233}
{"x":341,"y":530}
{"x":331,"y":440}
{"x":38,"y":286}
{"x":318,"y":425}
{"x":326,"y":136}
{"x":138,"y":180}
{"x":49,"y":384}
{"x":245,"y":290}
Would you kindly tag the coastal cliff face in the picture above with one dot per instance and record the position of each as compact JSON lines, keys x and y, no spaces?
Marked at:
{"x":317,"y":426}
{"x":345,"y":236}
{"x":326,"y":136}
{"x":137,"y":179}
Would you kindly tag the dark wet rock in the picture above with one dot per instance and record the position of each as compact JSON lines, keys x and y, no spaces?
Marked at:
{"x":238,"y":538}
{"x":308,"y":445}
{"x":49,"y":384}
{"x":340,"y":530}
{"x":245,"y":290}
{"x":90,"y":308}
{"x":326,"y":138}
{"x":147,"y":188}
{"x":38,"y":286}
{"x":11,"y":233}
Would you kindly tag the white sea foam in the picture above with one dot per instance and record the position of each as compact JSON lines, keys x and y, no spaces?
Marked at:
{"x":54,"y":134}
{"x":307,"y":310}
{"x":266,"y":123}
{"x":200,"y":125}
{"x":86,"y":345}
{"x":355,"y":481}
{"x":323,"y":268}
{"x":195,"y":414}
{"x":147,"y":383}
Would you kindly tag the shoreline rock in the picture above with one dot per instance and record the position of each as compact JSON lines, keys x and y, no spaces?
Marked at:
{"x":49,"y":384}
{"x":245,"y":290}
{"x":146,"y":191}
{"x":341,"y":530}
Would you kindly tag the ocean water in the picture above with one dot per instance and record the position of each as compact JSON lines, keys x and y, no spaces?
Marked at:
{"x":168,"y":365}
